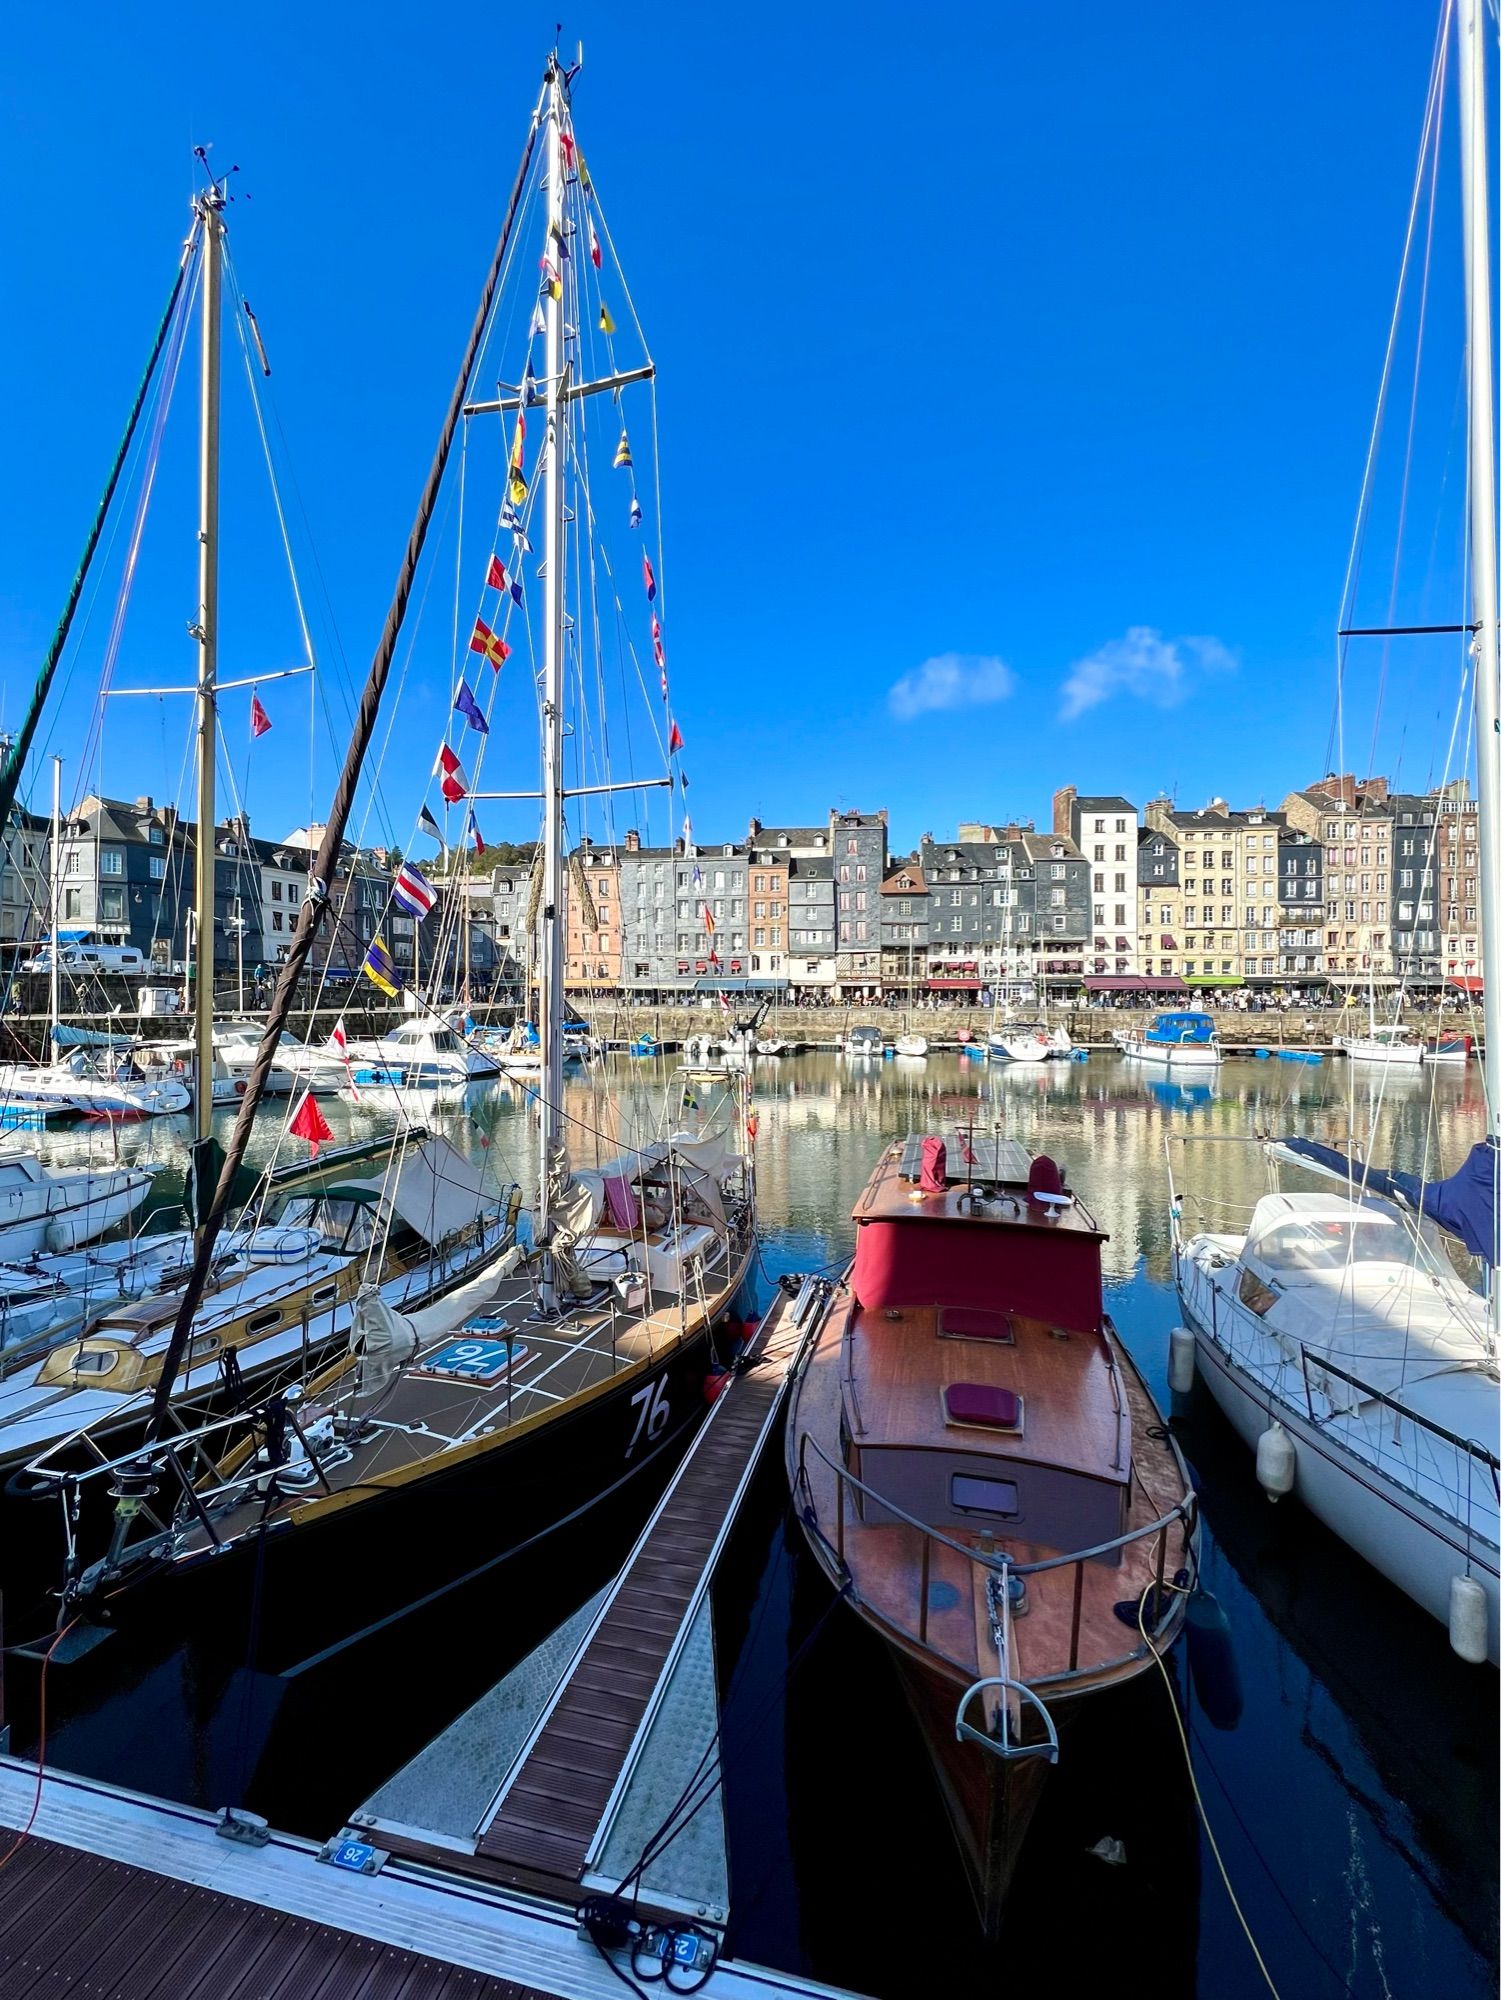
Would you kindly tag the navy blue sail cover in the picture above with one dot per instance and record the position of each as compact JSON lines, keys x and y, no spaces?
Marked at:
{"x":1464,"y":1204}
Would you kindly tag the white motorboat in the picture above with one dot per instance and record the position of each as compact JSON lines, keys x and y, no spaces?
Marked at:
{"x":424,"y":1051}
{"x":1345,"y":1350}
{"x":864,"y":1041}
{"x":773,"y":1045}
{"x":297,"y":1065}
{"x":1177,"y":1040}
{"x":911,"y":1045}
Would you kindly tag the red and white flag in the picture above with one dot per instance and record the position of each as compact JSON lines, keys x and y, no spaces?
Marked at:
{"x":308,"y":1122}
{"x":338,"y":1041}
{"x":455,"y":785}
{"x":260,"y":722}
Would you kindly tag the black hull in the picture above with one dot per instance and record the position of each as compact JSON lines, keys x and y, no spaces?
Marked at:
{"x":302,"y":1589}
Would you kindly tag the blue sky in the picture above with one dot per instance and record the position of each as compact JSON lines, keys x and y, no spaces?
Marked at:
{"x":1016,"y":372}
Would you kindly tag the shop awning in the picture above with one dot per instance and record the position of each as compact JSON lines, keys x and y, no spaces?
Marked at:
{"x":953,"y":985}
{"x":1466,"y":982}
{"x":1120,"y":982}
{"x":1212,"y":979}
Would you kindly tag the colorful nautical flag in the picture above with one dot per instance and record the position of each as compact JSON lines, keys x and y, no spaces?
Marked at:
{"x":427,"y":824}
{"x":465,"y":704}
{"x":519,"y":488}
{"x":518,"y":452}
{"x":596,"y":255}
{"x":539,"y":322}
{"x":551,"y":282}
{"x":698,"y":876}
{"x":708,"y":921}
{"x":566,"y":144}
{"x":474,"y":833}
{"x":260,"y":722}
{"x":380,"y":968}
{"x":635,"y":512}
{"x":489,"y":645}
{"x":338,"y":1041}
{"x":649,"y":579}
{"x":511,"y":521}
{"x":495,"y":575}
{"x":308,"y":1122}
{"x":412,"y":892}
{"x":606,"y":324}
{"x":529,"y":390}
{"x":687,"y":831}
{"x":455,"y":785}
{"x":658,"y":651}
{"x":674,"y":739}
{"x":623,"y":452}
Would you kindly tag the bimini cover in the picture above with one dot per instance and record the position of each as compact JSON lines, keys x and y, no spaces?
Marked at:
{"x":1464,"y":1204}
{"x":1182,"y":1028}
{"x":1346,"y":1279}
{"x":434,"y":1190}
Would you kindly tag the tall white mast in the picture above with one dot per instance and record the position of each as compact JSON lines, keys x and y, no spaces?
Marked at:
{"x":54,"y":970}
{"x":551,"y":917}
{"x":1471,"y":16}
{"x":206,"y":632}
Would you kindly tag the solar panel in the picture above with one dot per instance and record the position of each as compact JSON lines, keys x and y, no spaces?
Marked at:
{"x":992,"y":1158}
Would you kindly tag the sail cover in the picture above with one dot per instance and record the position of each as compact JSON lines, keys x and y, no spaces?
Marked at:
{"x":1464,"y":1204}
{"x":435,"y":1190}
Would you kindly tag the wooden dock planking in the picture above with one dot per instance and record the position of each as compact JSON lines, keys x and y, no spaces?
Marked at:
{"x":546,"y":1822}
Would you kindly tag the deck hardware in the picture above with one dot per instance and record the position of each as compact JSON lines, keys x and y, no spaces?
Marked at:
{"x":246,"y":1829}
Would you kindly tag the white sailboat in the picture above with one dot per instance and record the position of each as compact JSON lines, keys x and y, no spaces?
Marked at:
{"x":1334,"y":1332}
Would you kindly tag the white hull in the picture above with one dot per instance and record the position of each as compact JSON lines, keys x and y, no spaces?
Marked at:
{"x":1170,"y":1055}
{"x":1360,"y":1048}
{"x":93,"y":1096}
{"x":1018,"y":1049}
{"x":1413,"y":1543}
{"x":63,"y":1210}
{"x":911,"y":1045}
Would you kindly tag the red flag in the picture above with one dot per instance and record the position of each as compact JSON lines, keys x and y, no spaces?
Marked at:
{"x":649,"y":579}
{"x":260,"y":722}
{"x":495,"y":578}
{"x":595,"y":256}
{"x":309,"y":1123}
{"x":708,"y":921}
{"x":674,"y":740}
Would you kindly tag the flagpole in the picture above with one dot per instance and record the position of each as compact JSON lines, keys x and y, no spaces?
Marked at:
{"x":551,"y":917}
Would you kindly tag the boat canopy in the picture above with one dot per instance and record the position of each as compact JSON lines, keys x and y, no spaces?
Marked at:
{"x":1182,"y":1028}
{"x":1464,"y":1204}
{"x":1346,"y":1280}
{"x":435,"y":1190}
{"x":65,"y":1037}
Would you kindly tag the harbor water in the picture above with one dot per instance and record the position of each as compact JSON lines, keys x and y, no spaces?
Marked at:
{"x":1351,"y":1789}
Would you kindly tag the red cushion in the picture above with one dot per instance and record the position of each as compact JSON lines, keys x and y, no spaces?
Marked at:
{"x":976,"y":1323}
{"x":935,"y":1166}
{"x":978,"y":1403}
{"x":1043,"y":1176}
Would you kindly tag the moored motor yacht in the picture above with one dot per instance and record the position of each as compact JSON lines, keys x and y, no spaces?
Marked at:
{"x":979,"y":1466}
{"x":425,"y":1051}
{"x":1177,"y":1040}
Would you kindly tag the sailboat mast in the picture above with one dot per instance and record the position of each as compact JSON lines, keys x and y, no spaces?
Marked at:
{"x":206,"y":631}
{"x":1483,"y":557}
{"x":54,"y":970}
{"x":550,"y":955}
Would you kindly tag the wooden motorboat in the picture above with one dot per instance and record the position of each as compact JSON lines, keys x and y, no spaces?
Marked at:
{"x":978,"y":1462}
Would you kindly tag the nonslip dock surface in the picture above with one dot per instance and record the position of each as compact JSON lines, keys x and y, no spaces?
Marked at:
{"x":78,"y":1923}
{"x":552,"y":1815}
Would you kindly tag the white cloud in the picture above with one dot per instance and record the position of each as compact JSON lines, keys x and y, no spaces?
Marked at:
{"x":952,"y":680}
{"x":1146,"y":666}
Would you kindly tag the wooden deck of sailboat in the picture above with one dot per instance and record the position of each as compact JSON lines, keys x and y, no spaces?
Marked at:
{"x":542,"y":1366}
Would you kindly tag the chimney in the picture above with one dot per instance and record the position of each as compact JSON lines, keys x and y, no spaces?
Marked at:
{"x":1158,"y":812}
{"x":144,"y":805}
{"x":1375,"y":791}
{"x":754,"y":829}
{"x":1064,"y":801}
{"x":632,"y":842}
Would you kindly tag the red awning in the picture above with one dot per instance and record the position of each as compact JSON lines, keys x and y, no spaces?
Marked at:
{"x":1466,"y":982}
{"x":1120,"y":982}
{"x":963,"y":985}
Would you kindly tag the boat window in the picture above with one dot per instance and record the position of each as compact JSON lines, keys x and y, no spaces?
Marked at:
{"x":206,"y":1343}
{"x":1256,"y":1293}
{"x":970,"y":1494}
{"x":94,"y":1361}
{"x":1327,"y":1243}
{"x":323,"y":1295}
{"x":263,"y":1322}
{"x":296,"y":1211}
{"x":975,"y":1323}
